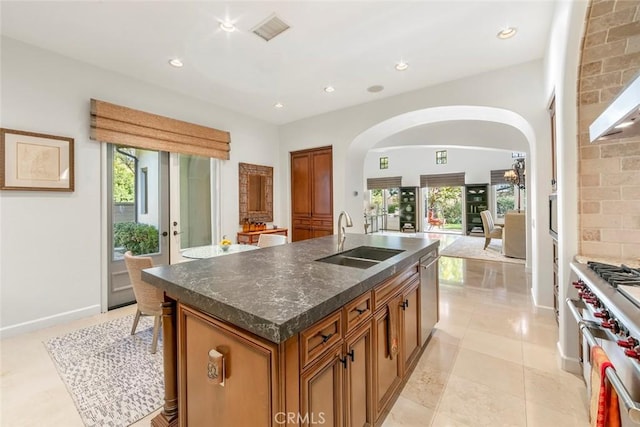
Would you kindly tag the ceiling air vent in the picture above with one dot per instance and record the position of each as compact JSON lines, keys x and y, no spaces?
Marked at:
{"x":270,"y":28}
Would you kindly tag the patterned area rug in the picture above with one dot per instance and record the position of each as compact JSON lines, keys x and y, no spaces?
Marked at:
{"x":472,"y":247}
{"x":112,"y":377}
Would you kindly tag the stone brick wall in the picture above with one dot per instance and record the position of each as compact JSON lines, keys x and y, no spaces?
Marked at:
{"x":609,"y":181}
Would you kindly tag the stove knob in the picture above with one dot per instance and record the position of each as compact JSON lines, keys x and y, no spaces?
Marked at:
{"x":632,"y":341}
{"x":631,"y":353}
{"x":607,"y":324}
{"x":578,"y":285}
{"x":602,"y":314}
{"x":625,"y":344}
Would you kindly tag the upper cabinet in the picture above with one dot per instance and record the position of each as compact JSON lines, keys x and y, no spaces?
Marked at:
{"x":311,"y":193}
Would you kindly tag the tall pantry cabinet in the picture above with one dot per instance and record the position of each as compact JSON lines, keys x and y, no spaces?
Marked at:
{"x":311,"y":193}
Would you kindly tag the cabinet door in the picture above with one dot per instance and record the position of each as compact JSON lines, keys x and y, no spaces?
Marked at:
{"x":322,"y":183}
{"x":411,"y":332}
{"x":321,"y":386}
{"x":301,"y":173}
{"x":359,"y":403}
{"x":245,"y":399}
{"x":300,"y":232}
{"x":386,"y":368}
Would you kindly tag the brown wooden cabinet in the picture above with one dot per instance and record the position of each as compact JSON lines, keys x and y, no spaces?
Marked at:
{"x":337,"y":372}
{"x":358,"y":379}
{"x":251,"y":237}
{"x":321,"y":391}
{"x":410,"y":323}
{"x":387,"y":369}
{"x":248,"y":374}
{"x":311,"y":193}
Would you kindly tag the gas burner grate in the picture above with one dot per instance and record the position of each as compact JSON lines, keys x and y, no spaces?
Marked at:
{"x":616,"y":275}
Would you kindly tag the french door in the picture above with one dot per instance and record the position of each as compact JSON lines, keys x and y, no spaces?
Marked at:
{"x":160,"y":204}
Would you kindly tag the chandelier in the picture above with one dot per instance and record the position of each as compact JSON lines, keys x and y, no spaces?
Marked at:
{"x":516,"y":174}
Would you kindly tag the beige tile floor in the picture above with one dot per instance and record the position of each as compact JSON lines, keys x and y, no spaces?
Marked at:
{"x":491,"y":362}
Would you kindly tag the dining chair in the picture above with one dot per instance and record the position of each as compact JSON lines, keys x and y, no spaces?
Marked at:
{"x":266,"y":240}
{"x":491,"y":231}
{"x":148,"y":297}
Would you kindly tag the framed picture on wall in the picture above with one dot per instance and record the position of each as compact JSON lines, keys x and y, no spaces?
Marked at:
{"x":35,"y":162}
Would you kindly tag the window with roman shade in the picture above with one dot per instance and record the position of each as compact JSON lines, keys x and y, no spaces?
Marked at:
{"x":384,"y":183}
{"x":442,"y":180}
{"x":115,"y":124}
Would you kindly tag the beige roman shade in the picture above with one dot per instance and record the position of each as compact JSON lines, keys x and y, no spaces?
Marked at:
{"x":442,"y":180}
{"x":124,"y":126}
{"x":384,"y":183}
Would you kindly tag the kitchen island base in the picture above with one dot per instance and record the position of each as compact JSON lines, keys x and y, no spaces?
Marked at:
{"x":345,"y":370}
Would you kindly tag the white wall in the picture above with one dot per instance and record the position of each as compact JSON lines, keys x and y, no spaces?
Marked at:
{"x":518,"y":89}
{"x":50,"y":269}
{"x":411,"y":162}
{"x":561,"y":76}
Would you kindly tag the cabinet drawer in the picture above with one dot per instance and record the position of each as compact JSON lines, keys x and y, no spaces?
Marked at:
{"x":383,"y":292}
{"x":357,"y":311}
{"x":317,"y":339}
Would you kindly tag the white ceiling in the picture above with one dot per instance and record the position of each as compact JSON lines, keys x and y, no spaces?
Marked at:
{"x":349,"y":45}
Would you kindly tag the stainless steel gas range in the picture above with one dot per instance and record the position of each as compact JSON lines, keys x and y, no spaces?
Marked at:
{"x":608,"y":314}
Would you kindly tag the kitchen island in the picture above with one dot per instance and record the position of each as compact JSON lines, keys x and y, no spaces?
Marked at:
{"x":274,"y":337}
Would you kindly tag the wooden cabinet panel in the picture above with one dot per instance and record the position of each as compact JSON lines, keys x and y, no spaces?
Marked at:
{"x":322,"y":183}
{"x":356,"y":312}
{"x":391,"y":287}
{"x":321,"y":391}
{"x":249,"y":367}
{"x":386,"y":367}
{"x":311,"y":193}
{"x":358,"y":353}
{"x":411,"y":332}
{"x":252,"y":237}
{"x":301,"y":176}
{"x":320,"y":337}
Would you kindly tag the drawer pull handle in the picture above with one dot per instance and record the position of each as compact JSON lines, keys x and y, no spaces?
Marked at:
{"x":325,"y":338}
{"x":360,"y":310}
{"x":215,"y":367}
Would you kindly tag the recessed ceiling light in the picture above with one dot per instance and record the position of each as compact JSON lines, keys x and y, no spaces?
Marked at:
{"x":278,"y":105}
{"x":401,"y":66}
{"x":175,"y":62}
{"x":227,"y":26}
{"x":507,"y":33}
{"x":329,"y":89}
{"x":375,"y":88}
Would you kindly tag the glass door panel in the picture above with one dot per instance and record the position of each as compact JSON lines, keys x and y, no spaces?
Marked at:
{"x":137,"y":214}
{"x":192,"y":183}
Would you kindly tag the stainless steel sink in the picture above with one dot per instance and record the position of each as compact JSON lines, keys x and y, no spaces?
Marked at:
{"x":361,"y":257}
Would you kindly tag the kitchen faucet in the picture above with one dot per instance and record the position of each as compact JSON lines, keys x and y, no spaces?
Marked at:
{"x":341,"y":235}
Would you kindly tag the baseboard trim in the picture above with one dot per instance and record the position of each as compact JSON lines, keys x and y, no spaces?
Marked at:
{"x":45,"y":322}
{"x":535,"y":302}
{"x":569,"y":364}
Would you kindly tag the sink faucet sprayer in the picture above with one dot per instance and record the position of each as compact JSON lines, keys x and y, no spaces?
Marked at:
{"x":341,"y":235}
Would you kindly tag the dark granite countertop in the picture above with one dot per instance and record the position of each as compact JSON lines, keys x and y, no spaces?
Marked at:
{"x":277,"y":292}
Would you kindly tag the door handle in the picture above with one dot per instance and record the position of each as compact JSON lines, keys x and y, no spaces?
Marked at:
{"x":175,"y":233}
{"x":165,"y":234}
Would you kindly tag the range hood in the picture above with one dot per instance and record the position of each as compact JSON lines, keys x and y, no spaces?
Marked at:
{"x":621,"y":119}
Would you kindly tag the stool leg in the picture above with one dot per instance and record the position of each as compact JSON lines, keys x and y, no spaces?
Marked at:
{"x":156,"y":332}
{"x":135,"y":322}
